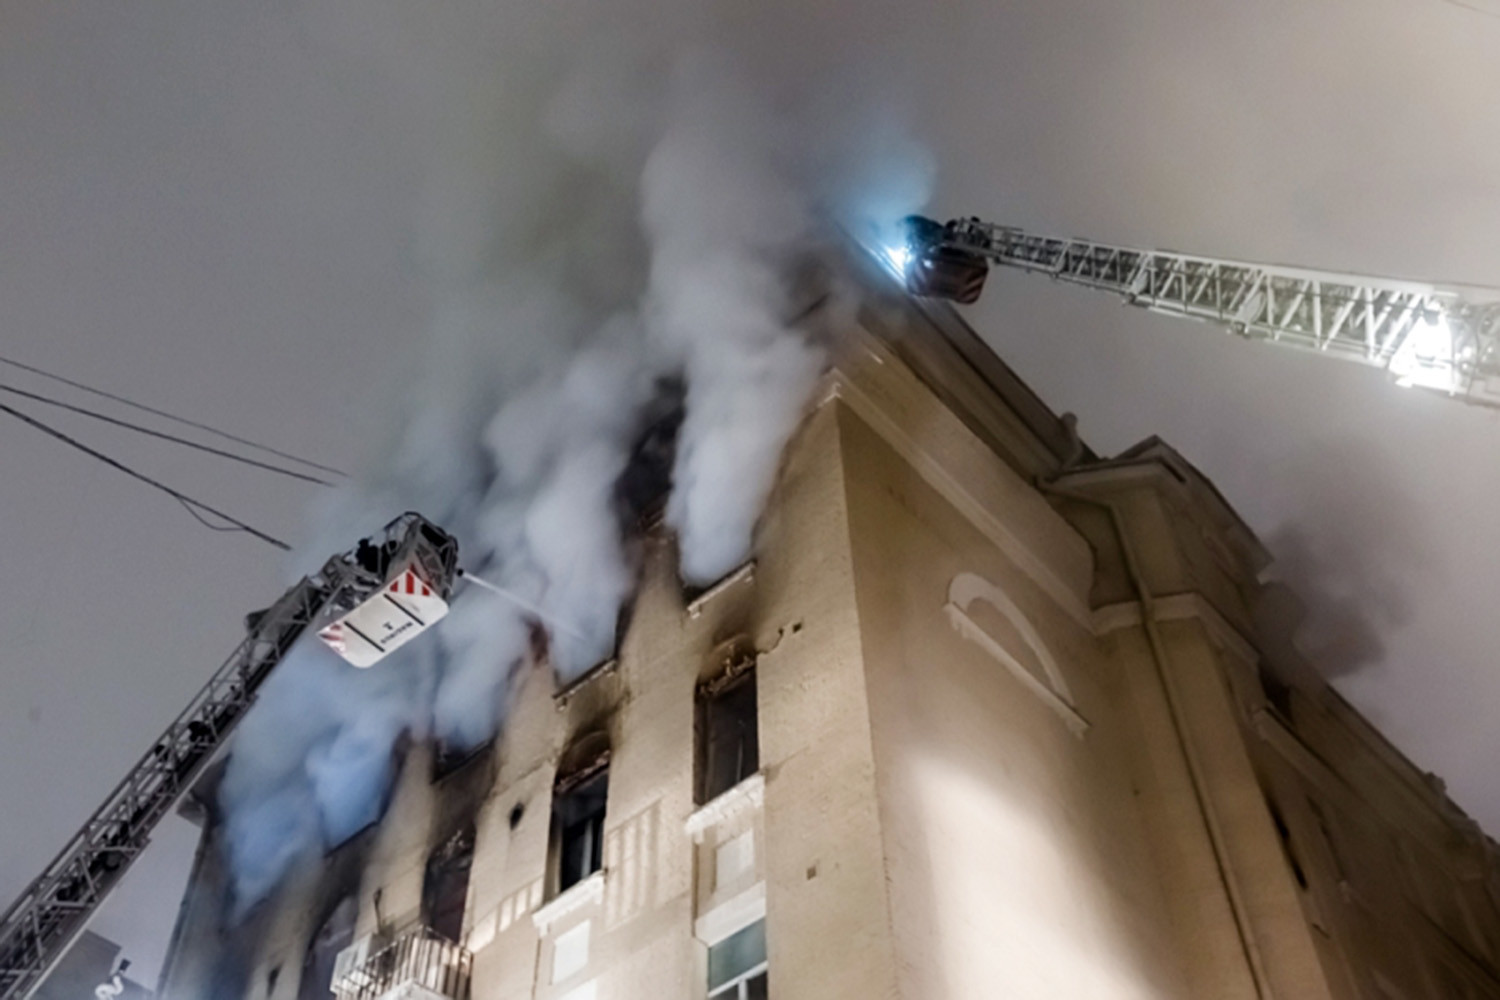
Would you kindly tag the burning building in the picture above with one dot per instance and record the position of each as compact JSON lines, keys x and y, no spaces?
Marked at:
{"x":987,"y":713}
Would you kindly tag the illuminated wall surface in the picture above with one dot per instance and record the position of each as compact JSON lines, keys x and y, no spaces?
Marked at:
{"x":988,"y":716}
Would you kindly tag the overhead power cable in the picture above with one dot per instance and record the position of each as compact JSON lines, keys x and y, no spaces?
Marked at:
{"x":49,"y":401}
{"x":193,"y":506}
{"x":170,"y":416}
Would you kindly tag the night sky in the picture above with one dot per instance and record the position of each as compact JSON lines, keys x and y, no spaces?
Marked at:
{"x":213,"y":208}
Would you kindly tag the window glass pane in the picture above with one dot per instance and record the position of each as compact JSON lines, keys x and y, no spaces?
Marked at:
{"x":755,"y":989}
{"x":737,"y":954}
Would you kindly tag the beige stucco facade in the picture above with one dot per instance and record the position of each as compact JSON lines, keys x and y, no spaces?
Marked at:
{"x":1020,"y":735}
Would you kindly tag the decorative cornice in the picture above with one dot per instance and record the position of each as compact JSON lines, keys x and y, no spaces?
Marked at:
{"x":1016,"y":546}
{"x":747,"y":795}
{"x":583,"y":894}
{"x":1176,"y":608}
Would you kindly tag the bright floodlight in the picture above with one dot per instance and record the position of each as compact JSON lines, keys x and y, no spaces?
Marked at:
{"x":897,"y":256}
{"x":1426,"y":357}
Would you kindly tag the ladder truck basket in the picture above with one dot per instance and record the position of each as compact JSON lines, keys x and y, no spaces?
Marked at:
{"x":404,"y":573}
{"x":944,"y":261}
{"x":391,"y":589}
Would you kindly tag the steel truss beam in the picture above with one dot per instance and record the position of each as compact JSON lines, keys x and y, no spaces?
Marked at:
{"x":40,"y":924}
{"x":1384,"y":323}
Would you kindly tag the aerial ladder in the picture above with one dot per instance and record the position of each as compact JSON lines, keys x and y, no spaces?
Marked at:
{"x":363,"y":604}
{"x":1443,"y":338}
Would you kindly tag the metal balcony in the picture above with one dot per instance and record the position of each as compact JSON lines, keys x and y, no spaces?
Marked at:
{"x":418,"y":965}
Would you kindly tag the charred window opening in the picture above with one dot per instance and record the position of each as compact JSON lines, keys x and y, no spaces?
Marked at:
{"x":578,"y":806}
{"x":537,"y":643}
{"x":641,"y":490}
{"x":449,"y":758}
{"x":334,"y":934}
{"x":445,"y":884}
{"x":728,"y":736}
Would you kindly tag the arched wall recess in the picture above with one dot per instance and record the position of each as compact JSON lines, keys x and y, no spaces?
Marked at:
{"x":963,"y":591}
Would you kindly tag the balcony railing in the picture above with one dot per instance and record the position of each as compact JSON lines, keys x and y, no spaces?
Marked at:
{"x":418,"y":964}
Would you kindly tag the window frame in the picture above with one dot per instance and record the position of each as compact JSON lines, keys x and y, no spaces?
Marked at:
{"x":740,"y":985}
{"x":737,"y":987}
{"x":741,"y":674}
{"x":445,"y":860}
{"x":568,"y":784}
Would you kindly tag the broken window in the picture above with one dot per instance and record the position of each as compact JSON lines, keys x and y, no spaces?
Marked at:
{"x":578,"y":804}
{"x":445,"y":884}
{"x":737,"y":965}
{"x":728,"y":743}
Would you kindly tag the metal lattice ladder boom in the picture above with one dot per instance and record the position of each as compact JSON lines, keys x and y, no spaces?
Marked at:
{"x":1440,"y":337}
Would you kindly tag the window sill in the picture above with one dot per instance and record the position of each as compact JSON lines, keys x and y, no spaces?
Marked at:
{"x":747,"y":795}
{"x":562,"y":696}
{"x":732,"y":915}
{"x":745,"y":572}
{"x":586,"y":893}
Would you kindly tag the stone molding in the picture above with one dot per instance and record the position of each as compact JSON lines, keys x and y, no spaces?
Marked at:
{"x":586,"y":893}
{"x":1176,"y":608}
{"x":744,"y":573}
{"x":1017,"y":548}
{"x":747,"y":795}
{"x":963,"y":591}
{"x":735,"y":913}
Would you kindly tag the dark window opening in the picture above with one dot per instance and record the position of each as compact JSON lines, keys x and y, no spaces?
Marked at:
{"x":334,"y":935}
{"x":1278,"y":694}
{"x":578,"y":805}
{"x":445,"y":884}
{"x":641,"y":490}
{"x":728,"y":741}
{"x":449,"y":757}
{"x":537,"y":641}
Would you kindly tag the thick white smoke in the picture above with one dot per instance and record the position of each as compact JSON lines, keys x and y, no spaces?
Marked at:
{"x":626,"y":242}
{"x":722,"y":223}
